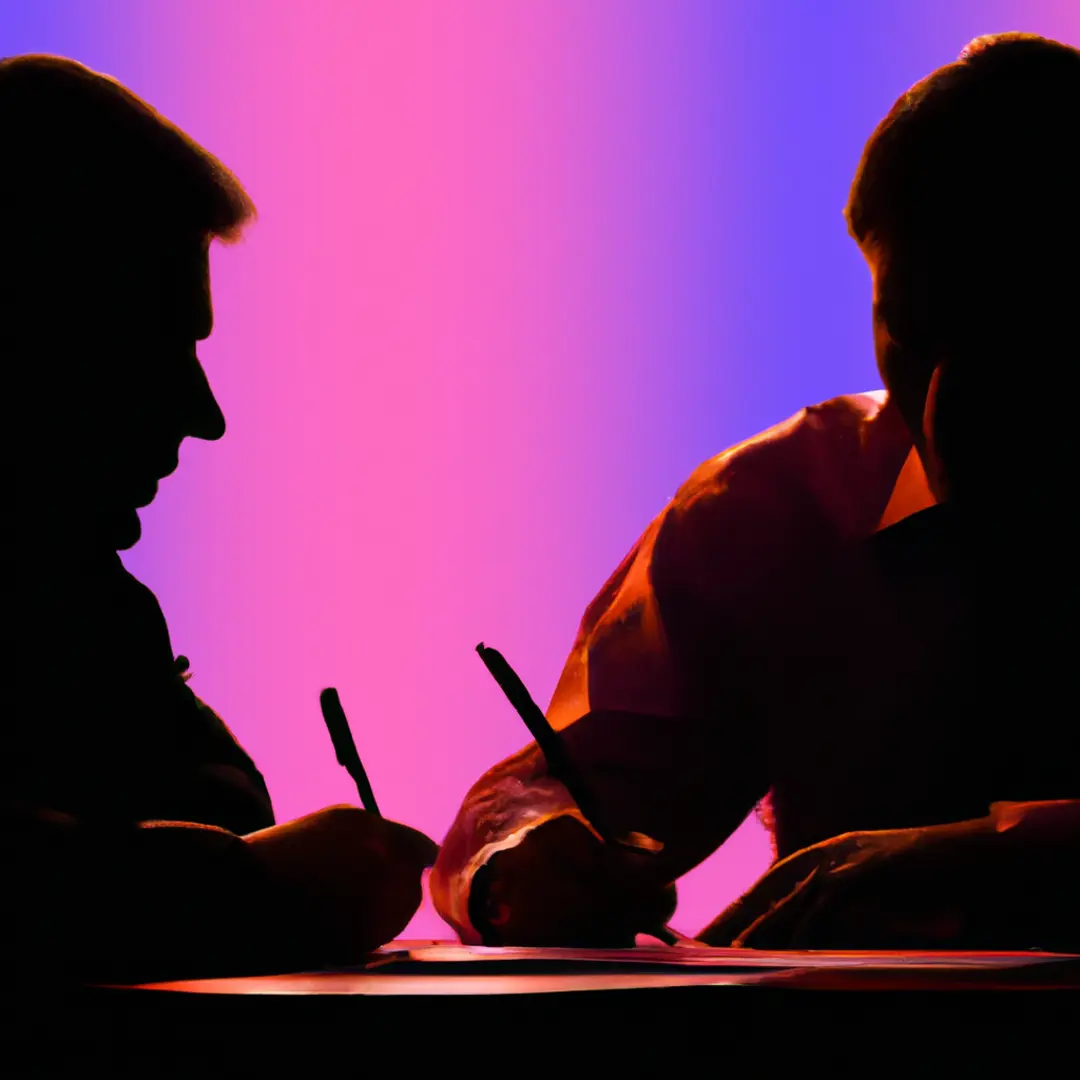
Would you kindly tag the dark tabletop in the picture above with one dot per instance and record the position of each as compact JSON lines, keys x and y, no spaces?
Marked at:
{"x":576,"y":1013}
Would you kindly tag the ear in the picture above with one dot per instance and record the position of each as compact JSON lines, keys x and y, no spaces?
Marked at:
{"x":931,"y":461}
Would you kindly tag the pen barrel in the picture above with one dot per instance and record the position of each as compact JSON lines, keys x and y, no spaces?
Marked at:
{"x":345,"y":748}
{"x":560,"y":767}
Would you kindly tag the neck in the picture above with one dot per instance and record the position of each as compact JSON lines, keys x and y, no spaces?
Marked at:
{"x":58,"y":560}
{"x":47,"y":542}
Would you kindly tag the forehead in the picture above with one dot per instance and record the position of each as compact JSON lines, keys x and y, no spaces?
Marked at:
{"x":164,"y":276}
{"x":172,"y":252}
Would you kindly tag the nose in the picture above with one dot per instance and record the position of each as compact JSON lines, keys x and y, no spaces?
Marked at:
{"x":205,"y":418}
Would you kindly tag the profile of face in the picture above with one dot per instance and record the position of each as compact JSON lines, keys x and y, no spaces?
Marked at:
{"x":123,"y":388}
{"x":917,"y":400}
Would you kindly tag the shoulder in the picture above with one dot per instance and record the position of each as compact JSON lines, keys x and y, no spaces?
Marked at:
{"x":798,"y":452}
{"x":137,"y":614}
{"x":137,"y":597}
{"x":823,"y":475}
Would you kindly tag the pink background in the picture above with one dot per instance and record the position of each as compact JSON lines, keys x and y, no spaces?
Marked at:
{"x":519,"y":267}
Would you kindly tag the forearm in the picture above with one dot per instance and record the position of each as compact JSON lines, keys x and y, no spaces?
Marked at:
{"x":1007,"y":880}
{"x":1049,"y":825}
{"x":149,"y":901}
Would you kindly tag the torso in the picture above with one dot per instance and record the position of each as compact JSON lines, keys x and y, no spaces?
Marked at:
{"x":98,"y":722}
{"x":895,"y":701}
{"x":853,"y":652}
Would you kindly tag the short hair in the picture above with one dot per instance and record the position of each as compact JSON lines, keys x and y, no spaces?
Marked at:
{"x":82,"y":156}
{"x":968,"y":198}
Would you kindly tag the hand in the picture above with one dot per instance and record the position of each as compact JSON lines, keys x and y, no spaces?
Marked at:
{"x":891,"y":891}
{"x":561,"y":886}
{"x":358,"y":875}
{"x":894,"y":889}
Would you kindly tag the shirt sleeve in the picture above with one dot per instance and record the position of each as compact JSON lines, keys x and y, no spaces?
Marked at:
{"x":656,"y":701}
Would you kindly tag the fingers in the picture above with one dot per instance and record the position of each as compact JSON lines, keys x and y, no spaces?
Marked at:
{"x":778,"y":906}
{"x":778,"y":925}
{"x":563,"y":841}
{"x":381,"y":917}
{"x":860,"y":903}
{"x":420,"y":850}
{"x":735,"y":922}
{"x":562,"y":887}
{"x":399,"y":906}
{"x":566,"y":849}
{"x":430,"y":853}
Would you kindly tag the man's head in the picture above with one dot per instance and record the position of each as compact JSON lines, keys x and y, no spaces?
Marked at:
{"x":107,"y":212}
{"x":967,"y":206}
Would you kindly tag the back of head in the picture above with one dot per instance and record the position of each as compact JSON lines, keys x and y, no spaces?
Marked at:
{"x":967,"y":201}
{"x":87,"y":169}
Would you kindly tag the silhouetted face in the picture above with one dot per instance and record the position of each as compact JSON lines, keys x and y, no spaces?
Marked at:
{"x":881,"y":331}
{"x":120,"y":387}
{"x":891,"y":358}
{"x":913,"y":393}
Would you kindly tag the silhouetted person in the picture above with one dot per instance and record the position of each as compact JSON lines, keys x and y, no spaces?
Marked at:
{"x":798,"y":629}
{"x":138,"y":836}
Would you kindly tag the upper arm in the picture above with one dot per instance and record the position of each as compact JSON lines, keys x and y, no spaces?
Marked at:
{"x":212,"y":778}
{"x":222,"y":757}
{"x":659,"y":699}
{"x":658,"y":703}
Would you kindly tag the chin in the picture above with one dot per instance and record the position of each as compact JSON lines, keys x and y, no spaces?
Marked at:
{"x":126,"y":531}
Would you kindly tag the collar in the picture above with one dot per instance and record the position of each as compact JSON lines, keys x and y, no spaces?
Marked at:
{"x":910,"y":494}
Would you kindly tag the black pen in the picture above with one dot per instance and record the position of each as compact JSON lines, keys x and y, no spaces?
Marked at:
{"x":562,"y":768}
{"x":345,"y":748}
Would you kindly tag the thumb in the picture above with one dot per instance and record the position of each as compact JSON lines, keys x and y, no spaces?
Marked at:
{"x":784,"y":920}
{"x":429,"y":851}
{"x":416,"y":846}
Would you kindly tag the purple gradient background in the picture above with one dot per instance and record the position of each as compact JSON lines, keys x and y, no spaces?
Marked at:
{"x":519,"y":267}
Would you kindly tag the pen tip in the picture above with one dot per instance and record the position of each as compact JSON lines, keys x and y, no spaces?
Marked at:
{"x":480,"y":647}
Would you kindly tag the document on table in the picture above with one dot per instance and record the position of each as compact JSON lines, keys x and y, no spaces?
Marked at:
{"x":429,"y":959}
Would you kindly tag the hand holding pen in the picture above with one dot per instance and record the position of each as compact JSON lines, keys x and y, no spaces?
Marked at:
{"x":607,"y":879}
{"x":355,"y":876}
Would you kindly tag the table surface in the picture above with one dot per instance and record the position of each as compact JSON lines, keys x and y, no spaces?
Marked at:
{"x":648,"y":1009}
{"x":442,"y":969}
